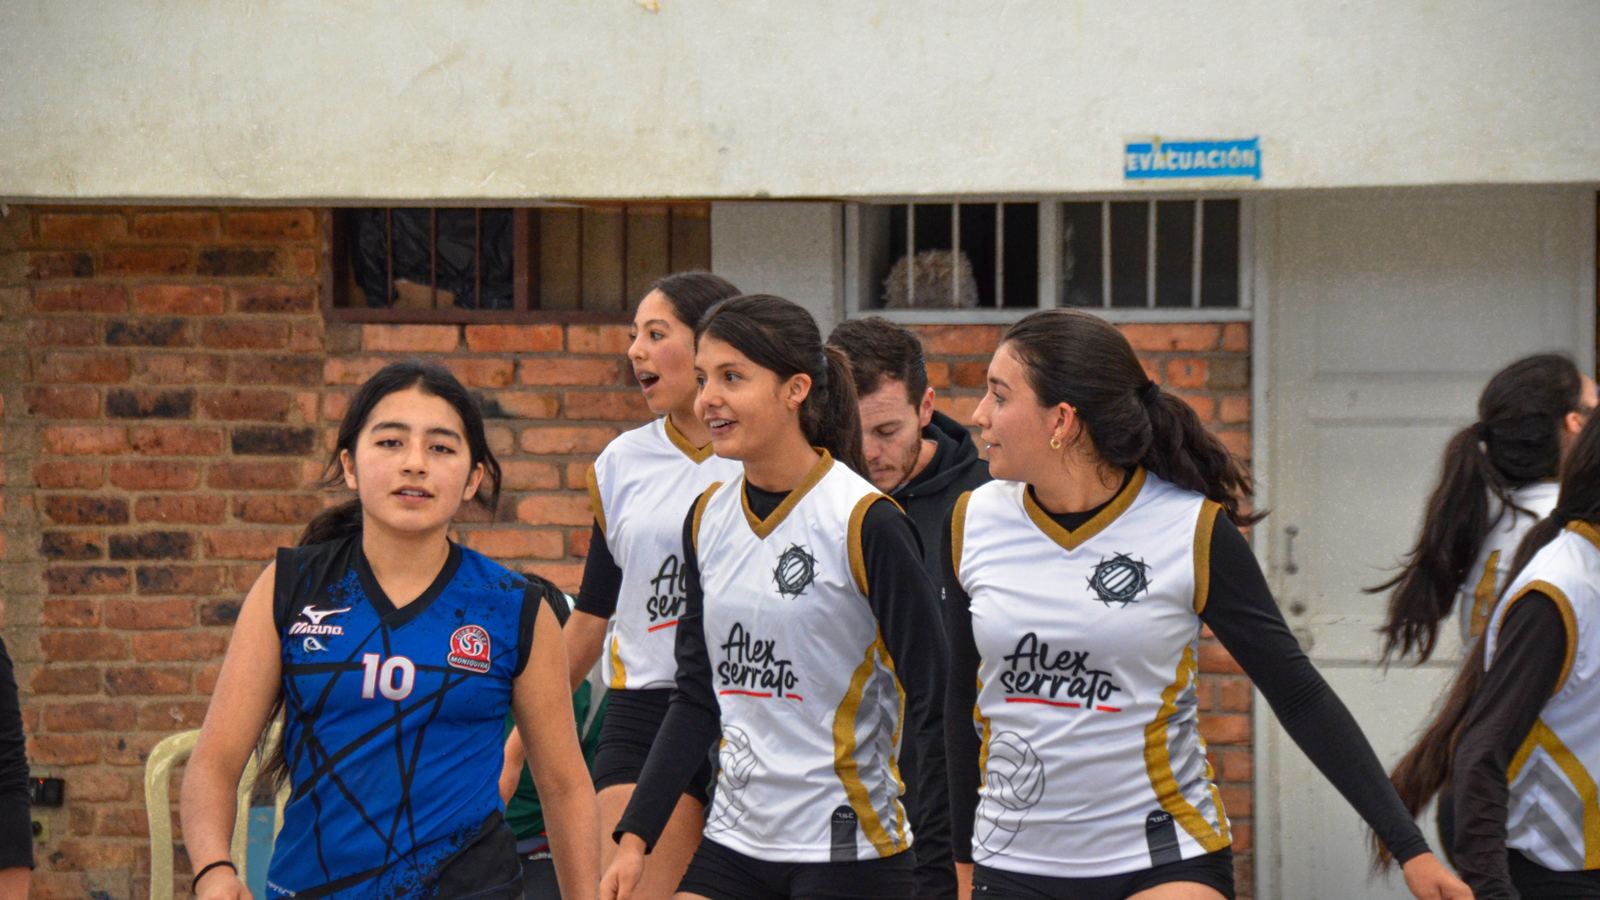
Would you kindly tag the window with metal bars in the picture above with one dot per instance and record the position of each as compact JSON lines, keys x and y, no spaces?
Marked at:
{"x":448,"y":264}
{"x":951,"y":255}
{"x":1151,"y":254}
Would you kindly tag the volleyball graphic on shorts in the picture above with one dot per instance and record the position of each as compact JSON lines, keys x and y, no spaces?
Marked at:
{"x":1013,"y":783}
{"x":736,"y":761}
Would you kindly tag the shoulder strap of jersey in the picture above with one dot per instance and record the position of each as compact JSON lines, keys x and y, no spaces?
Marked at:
{"x":283,"y":580}
{"x":538,"y":592}
{"x":594,"y":498}
{"x":700,"y":512}
{"x":1202,"y":552}
{"x":858,"y":556}
{"x":1569,"y":618}
{"x":958,"y":530}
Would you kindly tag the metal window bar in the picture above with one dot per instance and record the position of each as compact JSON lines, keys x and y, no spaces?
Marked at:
{"x":477,"y":257}
{"x":388,"y":236}
{"x":433,"y":257}
{"x":1194,"y":275}
{"x":955,"y":255}
{"x":1150,"y":256}
{"x":999,"y":255}
{"x":1105,"y":254}
{"x":911,"y":255}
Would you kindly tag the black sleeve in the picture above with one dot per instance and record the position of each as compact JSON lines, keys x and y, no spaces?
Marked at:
{"x":1241,"y":612}
{"x":539,"y":592}
{"x":907,"y":608}
{"x":602,"y":578}
{"x":16,"y":824}
{"x":1524,"y":673}
{"x":962,"y":746}
{"x":693,"y":721}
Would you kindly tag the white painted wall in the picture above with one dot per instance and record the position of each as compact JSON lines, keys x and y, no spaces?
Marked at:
{"x":793,"y":250}
{"x":517,"y":99}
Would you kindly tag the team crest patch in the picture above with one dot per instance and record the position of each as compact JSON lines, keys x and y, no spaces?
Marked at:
{"x":1120,"y":579}
{"x":469,"y":649}
{"x":795,"y":572}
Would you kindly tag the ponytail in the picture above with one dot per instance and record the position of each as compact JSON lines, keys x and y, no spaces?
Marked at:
{"x":1081,"y":360}
{"x":782,"y":337}
{"x":1425,"y":770}
{"x":332,"y":524}
{"x":1515,"y":441}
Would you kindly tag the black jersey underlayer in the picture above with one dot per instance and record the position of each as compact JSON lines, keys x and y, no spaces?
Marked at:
{"x":1242,"y":614}
{"x":902,"y":600}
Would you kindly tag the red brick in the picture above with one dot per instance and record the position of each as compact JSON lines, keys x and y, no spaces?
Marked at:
{"x":70,"y":614}
{"x":938,"y":375}
{"x":1219,"y":729}
{"x":155,"y":475}
{"x":579,"y":541}
{"x":292,"y":371}
{"x":64,"y":750}
{"x":520,"y":543}
{"x":410,"y":338}
{"x":77,"y":856}
{"x":177,"y":440}
{"x":60,"y":265}
{"x":1236,"y":337}
{"x":1237,"y":799}
{"x":501,"y":441}
{"x":60,"y":679}
{"x":514,"y":338}
{"x":182,"y":580}
{"x":248,"y":544}
{"x":172,"y":715}
{"x":100,"y":787}
{"x":62,"y":403}
{"x":1243,"y":835}
{"x":147,"y":614}
{"x":550,"y":441}
{"x":277,"y":509}
{"x":89,"y":716}
{"x":589,"y":372}
{"x":1236,"y":765}
{"x":1236,"y":695}
{"x":270,"y":224}
{"x":245,"y":575}
{"x":1203,"y":406}
{"x":1186,"y":338}
{"x":187,"y":368}
{"x":555,"y":509}
{"x":126,"y":821}
{"x":351,"y":371}
{"x":96,"y":298}
{"x":1185,"y":373}
{"x":302,"y":262}
{"x":180,"y":510}
{"x":58,"y":885}
{"x":146,"y":681}
{"x":247,"y":406}
{"x":81,"y":368}
{"x":1237,"y":442}
{"x":176,"y":226}
{"x":81,"y":646}
{"x":970,"y":374}
{"x":253,"y":476}
{"x":1235,"y":410}
{"x":481,"y":373}
{"x":578,"y":475}
{"x":78,"y":229}
{"x":529,"y":475}
{"x":244,"y":334}
{"x":334,"y":406}
{"x":958,"y":408}
{"x":177,"y":645}
{"x":178,"y":299}
{"x":971,"y":340}
{"x":306,"y":337}
{"x":611,"y":340}
{"x":527,"y":404}
{"x":89,"y":509}
{"x":566,"y":576}
{"x":274,"y":298}
{"x":1215,"y":658}
{"x":63,"y":332}
{"x":237,"y":262}
{"x":610,"y":406}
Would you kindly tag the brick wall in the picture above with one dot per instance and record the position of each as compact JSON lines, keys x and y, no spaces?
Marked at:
{"x":169,"y":396}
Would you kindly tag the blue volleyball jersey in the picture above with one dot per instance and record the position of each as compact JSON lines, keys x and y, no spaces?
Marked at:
{"x":393,"y":724}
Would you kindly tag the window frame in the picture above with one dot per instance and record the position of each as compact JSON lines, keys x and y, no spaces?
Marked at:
{"x":856,"y":288}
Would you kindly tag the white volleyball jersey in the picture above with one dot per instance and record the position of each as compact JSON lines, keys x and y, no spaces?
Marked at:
{"x":641,"y":487}
{"x":811,"y":706}
{"x":1553,"y":815}
{"x":1487,"y":577}
{"x":1092,"y":760}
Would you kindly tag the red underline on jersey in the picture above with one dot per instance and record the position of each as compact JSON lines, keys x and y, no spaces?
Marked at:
{"x":1041,"y":700}
{"x":662,"y":625}
{"x":795,"y":697}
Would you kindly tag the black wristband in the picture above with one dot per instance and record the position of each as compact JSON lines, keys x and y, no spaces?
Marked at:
{"x":201,"y":874}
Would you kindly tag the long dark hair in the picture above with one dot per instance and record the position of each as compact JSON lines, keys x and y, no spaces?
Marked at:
{"x":1516,"y":441}
{"x":344,"y":519}
{"x":781,"y":336}
{"x":1425,"y":770}
{"x":692,"y":293}
{"x":1080,"y":359}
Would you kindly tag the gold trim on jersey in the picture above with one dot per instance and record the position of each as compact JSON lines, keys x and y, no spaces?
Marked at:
{"x":988,"y":732}
{"x":619,"y":672}
{"x":1202,"y":553}
{"x":958,"y":531}
{"x":593,"y":482}
{"x":698,"y":454}
{"x":1158,"y":763}
{"x":700,"y":513}
{"x":1568,"y":618}
{"x":858,"y":557}
{"x":1542,"y":737}
{"x":1071,"y":540}
{"x":844,"y":754}
{"x":764,"y":527}
{"x":1483,"y":594}
{"x":1586,"y":531}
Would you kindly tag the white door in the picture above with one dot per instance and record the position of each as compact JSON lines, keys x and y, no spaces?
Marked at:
{"x":1384,"y":314}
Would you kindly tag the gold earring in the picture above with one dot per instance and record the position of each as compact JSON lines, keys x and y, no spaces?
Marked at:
{"x":1055,"y":443}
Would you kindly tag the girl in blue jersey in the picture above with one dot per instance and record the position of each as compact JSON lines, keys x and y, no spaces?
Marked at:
{"x":395,"y":655}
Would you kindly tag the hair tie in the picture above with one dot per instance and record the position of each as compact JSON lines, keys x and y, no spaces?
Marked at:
{"x":1149,"y":393}
{"x":1480,"y":430}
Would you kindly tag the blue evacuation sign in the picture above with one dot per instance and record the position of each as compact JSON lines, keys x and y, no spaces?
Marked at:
{"x":1192,"y":159}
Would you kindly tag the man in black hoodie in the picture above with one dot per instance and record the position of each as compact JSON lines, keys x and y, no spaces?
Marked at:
{"x":924,"y":460}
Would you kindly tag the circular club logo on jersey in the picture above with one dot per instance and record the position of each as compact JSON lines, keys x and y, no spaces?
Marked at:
{"x":1120,"y":579}
{"x":469,"y":649}
{"x":795,"y":572}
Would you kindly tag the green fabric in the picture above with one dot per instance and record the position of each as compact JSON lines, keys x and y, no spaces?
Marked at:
{"x":524,"y":813}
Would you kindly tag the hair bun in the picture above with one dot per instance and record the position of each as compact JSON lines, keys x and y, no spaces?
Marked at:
{"x":1149,"y":393}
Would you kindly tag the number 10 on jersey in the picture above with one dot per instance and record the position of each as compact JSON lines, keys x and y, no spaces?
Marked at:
{"x":380,"y":679}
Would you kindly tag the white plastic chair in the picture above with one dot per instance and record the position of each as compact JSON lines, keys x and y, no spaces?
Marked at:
{"x":158,"y":806}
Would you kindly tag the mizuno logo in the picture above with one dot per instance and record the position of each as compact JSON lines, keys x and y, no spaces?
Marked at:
{"x":317,"y":615}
